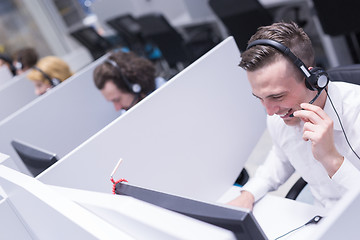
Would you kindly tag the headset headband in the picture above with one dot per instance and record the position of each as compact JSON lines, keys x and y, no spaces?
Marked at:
{"x":53,"y":81}
{"x":285,"y":50}
{"x":315,"y":79}
{"x":134,"y":87}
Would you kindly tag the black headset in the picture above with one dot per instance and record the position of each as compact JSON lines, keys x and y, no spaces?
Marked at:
{"x":316,"y":79}
{"x":133,"y":87}
{"x":18,"y":63}
{"x":53,"y":81}
{"x":9,"y":61}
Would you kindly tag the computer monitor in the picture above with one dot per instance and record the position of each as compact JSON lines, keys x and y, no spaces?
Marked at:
{"x":241,"y":222}
{"x":34,"y":158}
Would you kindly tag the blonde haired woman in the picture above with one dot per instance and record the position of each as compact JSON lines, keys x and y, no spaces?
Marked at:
{"x":48,"y":73}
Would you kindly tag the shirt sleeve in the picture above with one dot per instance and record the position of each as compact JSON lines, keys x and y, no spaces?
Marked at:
{"x":270,"y":175}
{"x":347,"y":175}
{"x":275,"y":170}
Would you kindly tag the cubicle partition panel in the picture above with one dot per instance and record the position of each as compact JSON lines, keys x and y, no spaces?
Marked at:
{"x":61,"y":119}
{"x":5,"y":75}
{"x":33,"y":210}
{"x":15,"y":94}
{"x":191,"y":137}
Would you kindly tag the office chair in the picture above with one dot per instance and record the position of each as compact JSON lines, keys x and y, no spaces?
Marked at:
{"x":89,"y":38}
{"x":156,"y":29}
{"x":296,"y":189}
{"x":347,"y":73}
{"x":130,"y":30}
{"x":337,"y":21}
{"x":242,"y":178}
{"x":201,"y":38}
{"x":241,"y":18}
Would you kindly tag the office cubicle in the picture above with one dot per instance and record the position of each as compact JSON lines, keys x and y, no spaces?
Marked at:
{"x":5,"y":75}
{"x":191,"y":137}
{"x":30,"y":209}
{"x":61,"y":119}
{"x":15,"y":94}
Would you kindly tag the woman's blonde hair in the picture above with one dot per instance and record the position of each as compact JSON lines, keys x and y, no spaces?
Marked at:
{"x":53,"y":67}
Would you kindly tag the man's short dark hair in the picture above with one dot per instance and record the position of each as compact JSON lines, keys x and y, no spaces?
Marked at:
{"x":27,"y":57}
{"x":288,"y":34}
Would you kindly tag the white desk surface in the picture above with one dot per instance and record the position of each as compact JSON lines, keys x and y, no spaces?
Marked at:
{"x":137,"y":217}
{"x":277,"y":215}
{"x":33,"y":210}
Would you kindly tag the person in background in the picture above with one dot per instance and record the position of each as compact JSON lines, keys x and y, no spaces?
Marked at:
{"x":309,"y":118}
{"x":125,"y":79}
{"x":24,"y":59}
{"x":6,"y":60}
{"x":48,"y":72}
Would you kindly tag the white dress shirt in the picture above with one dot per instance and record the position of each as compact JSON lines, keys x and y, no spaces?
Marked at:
{"x":291,"y":153}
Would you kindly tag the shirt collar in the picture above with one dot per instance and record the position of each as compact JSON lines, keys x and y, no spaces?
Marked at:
{"x":335,"y":96}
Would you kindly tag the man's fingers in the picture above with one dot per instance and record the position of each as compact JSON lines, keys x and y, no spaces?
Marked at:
{"x":316,"y":109}
{"x":308,"y":116}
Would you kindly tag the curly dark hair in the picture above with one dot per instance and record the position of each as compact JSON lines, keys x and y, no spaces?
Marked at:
{"x":134,"y":68}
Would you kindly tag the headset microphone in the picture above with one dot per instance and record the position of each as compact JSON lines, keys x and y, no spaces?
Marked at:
{"x":311,"y":102}
{"x":316,"y":96}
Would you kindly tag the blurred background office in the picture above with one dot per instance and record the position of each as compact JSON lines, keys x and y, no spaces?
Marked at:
{"x":171,"y":33}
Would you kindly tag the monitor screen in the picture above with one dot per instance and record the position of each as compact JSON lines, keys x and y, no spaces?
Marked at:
{"x":241,"y":222}
{"x":35,"y":159}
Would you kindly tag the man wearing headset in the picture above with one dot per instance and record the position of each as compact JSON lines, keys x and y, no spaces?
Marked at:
{"x":25,"y":59}
{"x":125,"y":79}
{"x":302,"y":121}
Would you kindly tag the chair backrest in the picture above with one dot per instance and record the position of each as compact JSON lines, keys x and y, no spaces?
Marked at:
{"x":337,"y":20}
{"x":89,"y":38}
{"x":241,"y":18}
{"x":341,"y":21}
{"x":348,"y":73}
{"x":128,"y":29}
{"x":156,"y":28}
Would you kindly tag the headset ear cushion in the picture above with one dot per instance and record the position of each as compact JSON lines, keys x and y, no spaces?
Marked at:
{"x":308,"y":83}
{"x":136,"y":88}
{"x":319,"y":78}
{"x":55,"y":82}
{"x":18,"y":65}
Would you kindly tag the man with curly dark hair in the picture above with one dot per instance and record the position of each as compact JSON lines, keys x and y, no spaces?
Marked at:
{"x":125,"y":79}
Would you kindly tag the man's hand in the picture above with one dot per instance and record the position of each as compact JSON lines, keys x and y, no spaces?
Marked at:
{"x":245,"y":200}
{"x":318,"y":128}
